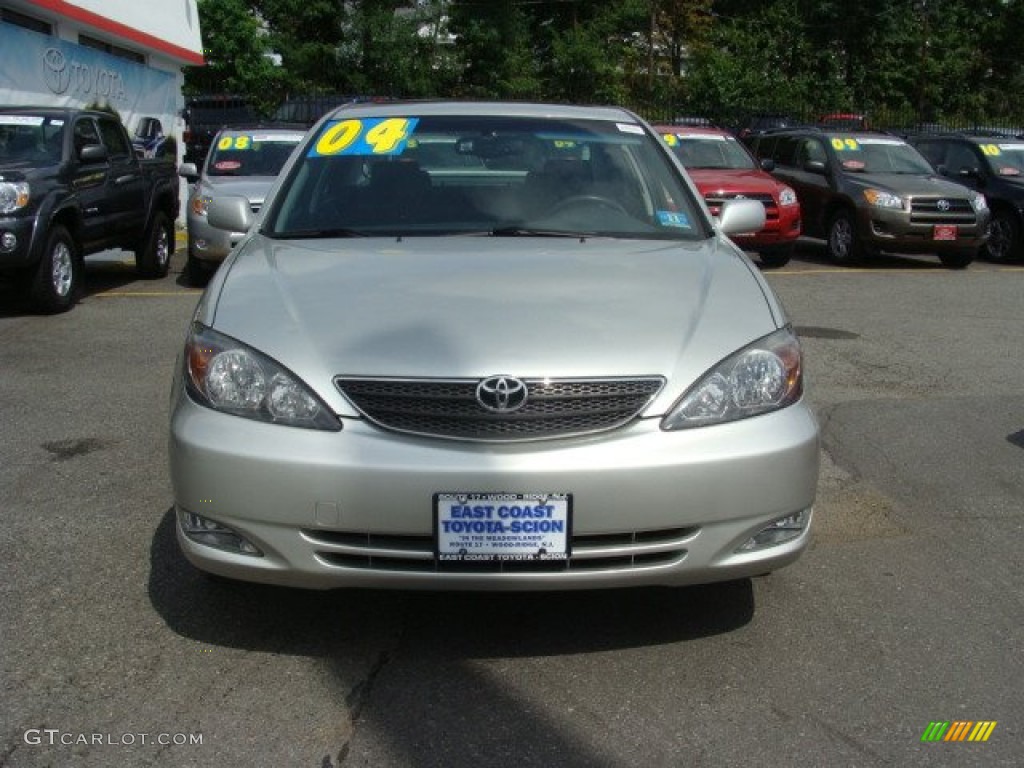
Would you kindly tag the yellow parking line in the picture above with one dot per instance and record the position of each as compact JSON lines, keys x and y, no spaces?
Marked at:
{"x":123,"y":294}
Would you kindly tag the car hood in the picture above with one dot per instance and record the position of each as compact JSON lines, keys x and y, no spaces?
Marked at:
{"x":455,"y":307}
{"x":711,"y":181}
{"x":253,"y":187}
{"x":910,"y":185}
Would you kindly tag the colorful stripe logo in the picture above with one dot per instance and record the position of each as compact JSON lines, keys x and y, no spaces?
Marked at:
{"x":958,"y":730}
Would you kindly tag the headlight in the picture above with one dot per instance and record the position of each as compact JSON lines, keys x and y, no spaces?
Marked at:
{"x":787,"y":196}
{"x":199,"y":204}
{"x":13,"y":195}
{"x":882,"y":199}
{"x":228,"y":376}
{"x":979,"y":202}
{"x":763,"y":377}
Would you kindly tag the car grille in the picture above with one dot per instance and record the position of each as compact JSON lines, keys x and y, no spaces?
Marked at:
{"x":415,"y":554}
{"x":926,"y":210}
{"x":449,"y":408}
{"x":771,"y":210}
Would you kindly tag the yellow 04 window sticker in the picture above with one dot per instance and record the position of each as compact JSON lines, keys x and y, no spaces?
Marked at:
{"x":375,"y":136}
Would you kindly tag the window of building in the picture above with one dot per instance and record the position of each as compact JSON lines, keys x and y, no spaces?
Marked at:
{"x":28,"y":22}
{"x":113,"y":50}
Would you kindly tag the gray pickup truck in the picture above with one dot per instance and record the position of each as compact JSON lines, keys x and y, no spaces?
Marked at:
{"x":71,"y":185}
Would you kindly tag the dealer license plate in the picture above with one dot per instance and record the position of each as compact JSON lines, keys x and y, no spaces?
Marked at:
{"x":944,"y":232}
{"x":502,"y":526}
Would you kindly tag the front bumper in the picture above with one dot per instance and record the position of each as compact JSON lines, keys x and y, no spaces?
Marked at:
{"x":895,"y":230}
{"x":354,"y":508}
{"x":23,"y":230}
{"x":208,"y":243}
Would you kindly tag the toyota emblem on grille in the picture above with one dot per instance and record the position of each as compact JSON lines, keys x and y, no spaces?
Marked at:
{"x":501,"y":394}
{"x":942,"y":205}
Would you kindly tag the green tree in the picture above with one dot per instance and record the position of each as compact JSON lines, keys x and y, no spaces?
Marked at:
{"x":235,"y":47}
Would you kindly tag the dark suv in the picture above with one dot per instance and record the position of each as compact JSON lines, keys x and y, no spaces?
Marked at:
{"x":870,"y":192}
{"x":993,"y":165}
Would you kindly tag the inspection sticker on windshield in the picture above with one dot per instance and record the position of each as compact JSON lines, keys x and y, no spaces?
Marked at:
{"x":502,"y":526}
{"x":673,"y":219}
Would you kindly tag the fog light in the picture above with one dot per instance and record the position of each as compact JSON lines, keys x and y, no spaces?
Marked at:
{"x":210,"y":533}
{"x":778,"y":532}
{"x":8,"y":242}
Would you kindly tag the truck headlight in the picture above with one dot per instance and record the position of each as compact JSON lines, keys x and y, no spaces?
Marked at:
{"x":13,"y":195}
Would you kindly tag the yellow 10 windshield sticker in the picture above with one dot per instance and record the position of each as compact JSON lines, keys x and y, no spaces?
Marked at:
{"x":375,"y":136}
{"x":845,"y":145}
{"x":990,"y":150}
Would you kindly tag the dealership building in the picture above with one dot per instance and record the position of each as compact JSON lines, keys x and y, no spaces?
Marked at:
{"x":125,"y":54}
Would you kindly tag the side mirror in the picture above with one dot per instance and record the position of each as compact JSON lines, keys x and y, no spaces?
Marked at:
{"x":230,"y":212}
{"x":816,"y":166}
{"x":188,"y":171}
{"x":93,"y":153}
{"x":741,"y":217}
{"x":767,"y":164}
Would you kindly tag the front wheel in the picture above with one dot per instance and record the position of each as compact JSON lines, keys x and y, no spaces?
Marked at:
{"x":843,"y":242}
{"x":773,"y":258}
{"x":153,"y":257}
{"x":956,"y":259}
{"x":1004,"y":237}
{"x":58,"y":276}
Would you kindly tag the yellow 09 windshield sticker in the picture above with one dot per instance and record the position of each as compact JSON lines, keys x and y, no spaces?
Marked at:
{"x":375,"y":136}
{"x":845,"y":145}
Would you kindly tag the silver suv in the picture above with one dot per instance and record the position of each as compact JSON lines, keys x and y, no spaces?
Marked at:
{"x":869,"y":192}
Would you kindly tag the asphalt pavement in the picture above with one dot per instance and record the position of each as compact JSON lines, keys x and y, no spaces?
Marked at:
{"x":906,"y":610}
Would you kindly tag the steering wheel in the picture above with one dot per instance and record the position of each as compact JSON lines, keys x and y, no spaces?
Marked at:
{"x":577,"y":201}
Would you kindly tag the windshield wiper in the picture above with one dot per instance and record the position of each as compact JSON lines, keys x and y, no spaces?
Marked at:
{"x":312,"y":234}
{"x":515,"y":231}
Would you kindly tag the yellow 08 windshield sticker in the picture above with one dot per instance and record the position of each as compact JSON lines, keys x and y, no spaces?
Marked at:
{"x":845,"y":145}
{"x":375,"y":136}
{"x":991,"y":150}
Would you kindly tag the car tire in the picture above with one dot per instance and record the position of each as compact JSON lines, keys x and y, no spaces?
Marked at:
{"x":956,"y":259}
{"x":197,"y":272}
{"x":55,"y":284}
{"x":153,"y":256}
{"x":773,"y":258}
{"x":844,"y":246}
{"x":1004,"y":236}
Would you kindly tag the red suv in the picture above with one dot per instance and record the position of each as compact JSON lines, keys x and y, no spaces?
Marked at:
{"x":723,"y":169}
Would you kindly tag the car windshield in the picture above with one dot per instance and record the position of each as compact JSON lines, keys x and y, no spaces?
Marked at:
{"x":879,"y":155}
{"x":30,"y":138}
{"x":701,"y":150}
{"x":251,"y":153}
{"x":484,"y":175}
{"x":1005,"y":158}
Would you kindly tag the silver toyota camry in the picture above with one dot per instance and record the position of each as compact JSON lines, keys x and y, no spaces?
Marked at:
{"x":494,"y":347}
